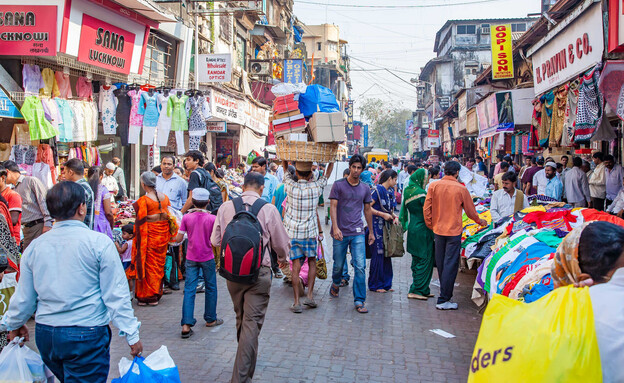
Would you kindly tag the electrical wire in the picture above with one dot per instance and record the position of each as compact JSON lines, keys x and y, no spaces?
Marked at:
{"x":397,"y":6}
{"x":379,"y":66}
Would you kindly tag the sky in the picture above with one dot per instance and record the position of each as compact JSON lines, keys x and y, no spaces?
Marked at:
{"x":400,"y":38}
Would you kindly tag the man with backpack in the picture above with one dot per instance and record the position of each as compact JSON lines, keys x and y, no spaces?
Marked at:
{"x":200,"y":178}
{"x":246,"y":229}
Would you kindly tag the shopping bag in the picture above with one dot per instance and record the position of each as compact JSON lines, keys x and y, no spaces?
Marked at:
{"x":157,"y":368}
{"x":321,"y":264}
{"x":393,"y":240}
{"x":21,"y":364}
{"x":550,"y":340}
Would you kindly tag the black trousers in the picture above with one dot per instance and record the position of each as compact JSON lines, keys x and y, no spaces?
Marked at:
{"x":447,"y":250}
{"x":598,"y":203}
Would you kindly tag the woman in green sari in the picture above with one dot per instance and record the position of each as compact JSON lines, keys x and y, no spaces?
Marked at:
{"x":419,"y":236}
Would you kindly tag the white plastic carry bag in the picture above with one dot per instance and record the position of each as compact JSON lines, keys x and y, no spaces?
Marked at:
{"x":22,"y":365}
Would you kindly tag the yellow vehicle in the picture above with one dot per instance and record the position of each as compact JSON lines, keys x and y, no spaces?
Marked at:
{"x":379,"y":154}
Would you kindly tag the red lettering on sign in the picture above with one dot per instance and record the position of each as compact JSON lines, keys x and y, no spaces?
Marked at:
{"x":571,"y":53}
{"x":579,"y":52}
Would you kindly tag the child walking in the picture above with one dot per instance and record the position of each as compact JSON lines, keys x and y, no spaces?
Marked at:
{"x":124,"y":247}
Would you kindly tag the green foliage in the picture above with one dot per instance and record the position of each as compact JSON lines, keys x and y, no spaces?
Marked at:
{"x":386,"y":125}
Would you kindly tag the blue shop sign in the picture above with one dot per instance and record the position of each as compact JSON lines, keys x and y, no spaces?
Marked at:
{"x":7,"y":107}
{"x":293,"y":71}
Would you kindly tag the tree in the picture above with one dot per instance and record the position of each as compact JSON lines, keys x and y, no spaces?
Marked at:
{"x":386,"y":125}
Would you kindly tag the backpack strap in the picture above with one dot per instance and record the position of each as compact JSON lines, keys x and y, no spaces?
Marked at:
{"x":257,"y":206}
{"x":238,"y":204}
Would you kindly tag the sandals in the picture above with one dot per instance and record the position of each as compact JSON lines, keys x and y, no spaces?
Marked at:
{"x":361,"y":308}
{"x":311,"y":303}
{"x":344,"y":283}
{"x":416,"y":296}
{"x":217,"y":322}
{"x":186,"y":334}
{"x":296,"y":309}
{"x":334,"y":290}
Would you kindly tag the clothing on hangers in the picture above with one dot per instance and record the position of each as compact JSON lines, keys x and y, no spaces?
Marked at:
{"x":164,"y":121}
{"x":32,"y":81}
{"x":39,"y":127}
{"x":84,"y":88}
{"x":50,"y":87}
{"x":108,"y":109}
{"x":136,"y":119}
{"x":124,"y":105}
{"x":65,"y":124}
{"x":177,"y":109}
{"x":64,"y":85}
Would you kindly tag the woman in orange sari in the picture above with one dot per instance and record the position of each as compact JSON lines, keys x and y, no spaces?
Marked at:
{"x":149,"y":247}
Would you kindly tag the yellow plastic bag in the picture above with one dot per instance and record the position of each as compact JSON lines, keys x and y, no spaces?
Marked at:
{"x":550,"y":340}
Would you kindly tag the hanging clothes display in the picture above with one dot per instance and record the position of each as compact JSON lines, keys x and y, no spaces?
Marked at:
{"x":148,"y":108}
{"x":547,"y":101}
{"x":65,"y":123}
{"x":45,"y":156}
{"x":78,"y":120}
{"x":32,"y":81}
{"x":611,"y":85}
{"x":199,"y":112}
{"x":590,"y":107}
{"x":38,"y":126}
{"x":164,"y":120}
{"x":108,"y":109}
{"x":536,"y":124}
{"x":51,"y":110}
{"x":567,"y":138}
{"x":124,"y":104}
{"x":558,"y":116}
{"x":84,"y":88}
{"x":50,"y":87}
{"x":64,"y":85}
{"x":23,"y":154}
{"x":177,"y":110}
{"x":136,"y":119}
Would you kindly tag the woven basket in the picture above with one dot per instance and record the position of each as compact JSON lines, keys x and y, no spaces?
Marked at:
{"x":306,"y":151}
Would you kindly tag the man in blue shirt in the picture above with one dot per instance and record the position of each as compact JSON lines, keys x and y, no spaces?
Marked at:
{"x":554,"y":187}
{"x":73,"y":280}
{"x":259,"y":164}
{"x":170,"y":184}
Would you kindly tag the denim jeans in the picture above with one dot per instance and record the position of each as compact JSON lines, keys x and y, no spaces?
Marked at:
{"x":190,"y":287}
{"x":358,"y":259}
{"x":75,"y":354}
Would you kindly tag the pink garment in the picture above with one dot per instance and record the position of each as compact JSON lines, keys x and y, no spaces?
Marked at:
{"x":136,"y":119}
{"x":84,"y":88}
{"x":64,"y":85}
{"x":303,"y":274}
{"x":45,"y":155}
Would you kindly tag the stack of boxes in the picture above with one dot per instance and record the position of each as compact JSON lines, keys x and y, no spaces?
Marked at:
{"x":287,"y":119}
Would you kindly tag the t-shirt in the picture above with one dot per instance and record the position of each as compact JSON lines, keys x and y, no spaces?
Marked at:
{"x":351,"y":200}
{"x":15,"y":204}
{"x":198,"y":227}
{"x":126,"y":256}
{"x":528,"y":177}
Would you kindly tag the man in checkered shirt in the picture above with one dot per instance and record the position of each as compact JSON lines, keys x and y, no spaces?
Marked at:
{"x":303,"y":225}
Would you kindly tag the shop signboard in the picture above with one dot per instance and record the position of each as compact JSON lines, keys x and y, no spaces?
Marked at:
{"x":216,"y":126}
{"x":570,"y":52}
{"x":256,"y":118}
{"x":227,"y":108}
{"x":488,"y":119}
{"x":215,"y":68}
{"x":28,"y":30}
{"x":350,"y":117}
{"x":504,"y":108}
{"x":293,"y":71}
{"x":462,"y":107}
{"x":502,"y":55}
{"x":365,"y":135}
{"x":433,"y":138}
{"x":409,"y":127}
{"x":7,"y":108}
{"x":471,"y":121}
{"x":105,"y":46}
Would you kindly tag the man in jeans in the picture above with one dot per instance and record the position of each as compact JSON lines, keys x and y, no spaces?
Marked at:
{"x":251,"y":301}
{"x":301,"y":223}
{"x":72,"y":279}
{"x":197,"y":224}
{"x":443,"y":214}
{"x":348,"y":198}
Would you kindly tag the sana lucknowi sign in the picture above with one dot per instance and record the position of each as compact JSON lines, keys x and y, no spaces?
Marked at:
{"x":28,"y":30}
{"x":104,"y":45}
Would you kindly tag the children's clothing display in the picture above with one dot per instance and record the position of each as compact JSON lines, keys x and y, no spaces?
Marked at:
{"x":108,"y":109}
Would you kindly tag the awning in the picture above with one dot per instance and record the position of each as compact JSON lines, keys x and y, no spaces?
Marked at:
{"x":147,"y":9}
{"x":275,"y":32}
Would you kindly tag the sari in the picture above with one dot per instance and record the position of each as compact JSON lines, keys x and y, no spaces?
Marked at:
{"x":100,"y":222}
{"x":149,"y":250}
{"x":380,"y":273}
{"x":419,"y":236}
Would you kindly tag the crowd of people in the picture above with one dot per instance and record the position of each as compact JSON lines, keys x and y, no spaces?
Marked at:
{"x":180,"y":232}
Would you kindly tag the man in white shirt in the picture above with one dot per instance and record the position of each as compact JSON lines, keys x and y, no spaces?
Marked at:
{"x":540,"y":180}
{"x":614,"y":174}
{"x":597,"y":182}
{"x":508,"y":200}
{"x":576,"y":185}
{"x":405,"y":175}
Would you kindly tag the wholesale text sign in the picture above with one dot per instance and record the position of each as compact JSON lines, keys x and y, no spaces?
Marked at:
{"x":502,"y":56}
{"x":105,"y":46}
{"x":28,"y":30}
{"x":215,"y":68}
{"x":293,"y":71}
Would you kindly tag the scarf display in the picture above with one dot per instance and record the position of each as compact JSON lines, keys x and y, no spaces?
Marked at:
{"x":547,"y":102}
{"x":590,"y":107}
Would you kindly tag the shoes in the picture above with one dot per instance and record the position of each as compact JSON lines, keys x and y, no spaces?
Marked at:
{"x":186,"y":335}
{"x":175,"y":287}
{"x":278,"y":274}
{"x":296,"y":309}
{"x":448,"y":305}
{"x":201,"y":288}
{"x":416,"y":296}
{"x":311,"y":303}
{"x":166,"y":291}
{"x":217,"y":322}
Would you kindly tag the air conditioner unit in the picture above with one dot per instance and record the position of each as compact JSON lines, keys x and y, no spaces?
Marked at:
{"x":485,"y":30}
{"x":260,"y":68}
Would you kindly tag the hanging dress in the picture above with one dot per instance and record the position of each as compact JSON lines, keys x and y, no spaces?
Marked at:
{"x":32,"y":79}
{"x":64,"y":85}
{"x":199,"y":112}
{"x":177,"y":110}
{"x":136,"y":119}
{"x":148,"y":108}
{"x":67,"y":116}
{"x":164,"y":121}
{"x":124,"y":104}
{"x":108,"y":109}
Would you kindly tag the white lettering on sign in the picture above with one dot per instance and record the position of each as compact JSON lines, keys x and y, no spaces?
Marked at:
{"x":575,"y":49}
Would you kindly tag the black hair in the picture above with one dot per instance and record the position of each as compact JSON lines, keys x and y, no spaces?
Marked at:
{"x":196,"y":155}
{"x":94,"y":174}
{"x":75,"y":165}
{"x":507,"y":158}
{"x":200,"y":204}
{"x":509,"y":176}
{"x":540,"y":161}
{"x":435,"y":171}
{"x":411,"y":169}
{"x":600,"y":248}
{"x":12,"y":166}
{"x":472,"y":160}
{"x":358,"y":158}
{"x":577,"y":161}
{"x":129,"y":228}
{"x":386,"y":175}
{"x":373,"y":159}
{"x":559,"y":165}
{"x":504,"y":165}
{"x":480,"y":158}
{"x":3,"y":171}
{"x":395,"y":161}
{"x":261,"y":161}
{"x":254,"y":180}
{"x":64,"y":199}
{"x":180,"y":169}
{"x":219,"y":174}
{"x":292,"y":170}
{"x":157,"y":169}
{"x":598,"y":155}
{"x":346,"y":172}
{"x":304,"y":174}
{"x":500,"y":156}
{"x":533,"y":161}
{"x":609,"y":157}
{"x":451,"y":168}
{"x":210,"y":167}
{"x":564,"y":156}
{"x":168,"y":156}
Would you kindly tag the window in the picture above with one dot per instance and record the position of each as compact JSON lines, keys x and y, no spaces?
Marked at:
{"x":318,"y":46}
{"x":520,"y":27}
{"x":225,"y":27}
{"x":466,"y":29}
{"x":240,"y":51}
{"x":160,"y":54}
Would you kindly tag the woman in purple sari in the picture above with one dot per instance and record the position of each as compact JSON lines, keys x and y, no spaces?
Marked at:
{"x":103,"y":220}
{"x":384,"y":202}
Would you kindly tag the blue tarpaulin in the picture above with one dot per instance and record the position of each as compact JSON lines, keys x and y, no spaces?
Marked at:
{"x":317,"y":98}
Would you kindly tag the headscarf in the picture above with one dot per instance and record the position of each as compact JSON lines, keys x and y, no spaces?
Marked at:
{"x":566,"y":270}
{"x":367,"y":177}
{"x":415,"y":189}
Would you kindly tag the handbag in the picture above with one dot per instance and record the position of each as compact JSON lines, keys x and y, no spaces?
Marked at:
{"x":321,"y":265}
{"x":392,"y":237}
